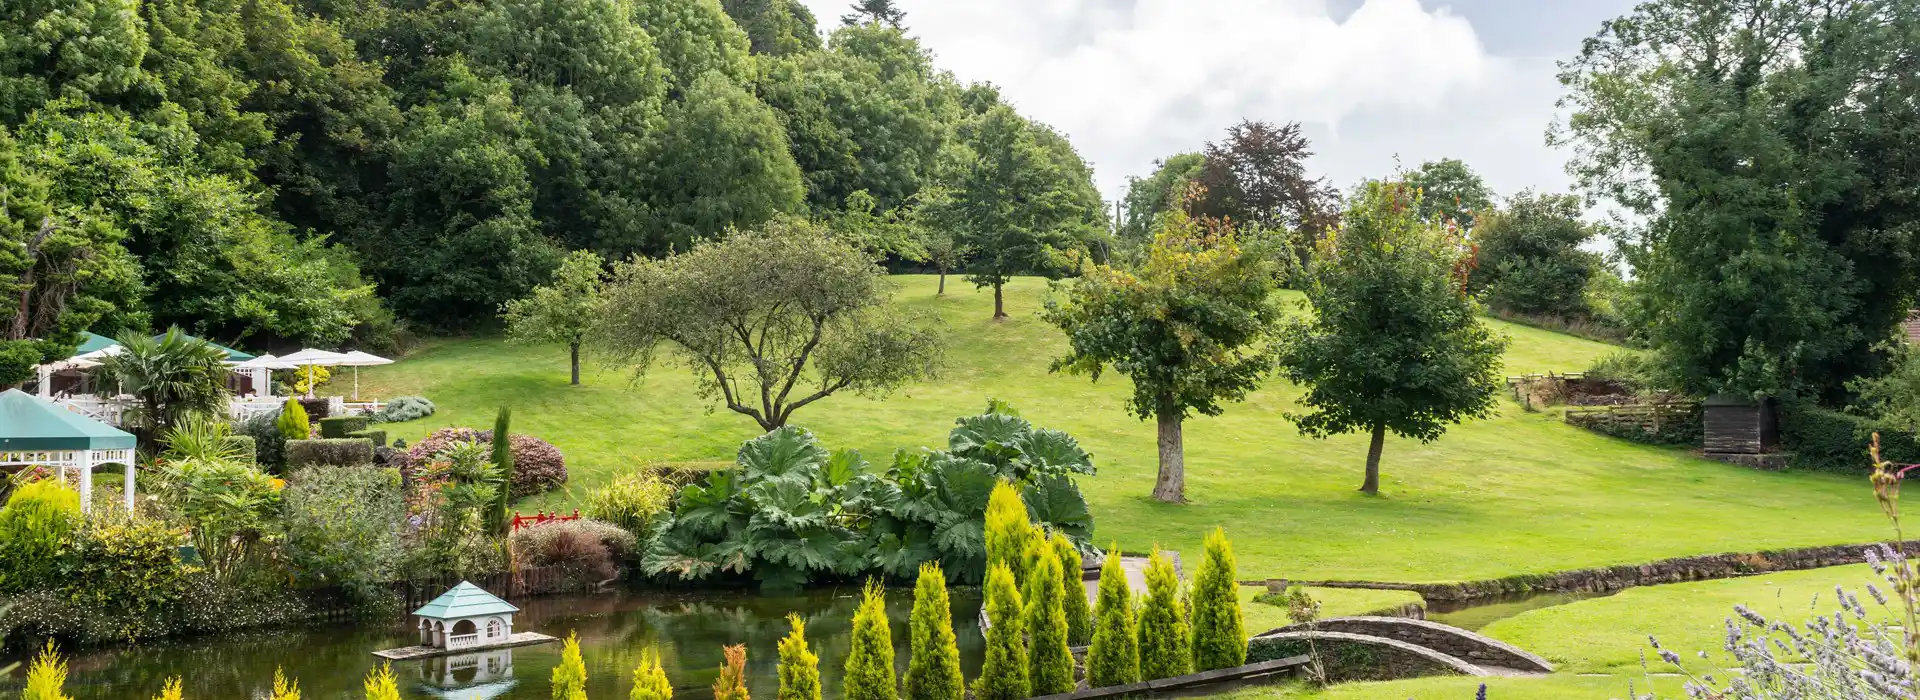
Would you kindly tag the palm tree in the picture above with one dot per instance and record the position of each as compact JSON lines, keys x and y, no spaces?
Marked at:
{"x":173,"y":378}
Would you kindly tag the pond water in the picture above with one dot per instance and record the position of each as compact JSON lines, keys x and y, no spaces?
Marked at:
{"x":688,"y":629}
{"x":1478,"y":614}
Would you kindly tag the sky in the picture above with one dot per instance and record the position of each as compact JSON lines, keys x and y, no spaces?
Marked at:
{"x":1377,"y":84}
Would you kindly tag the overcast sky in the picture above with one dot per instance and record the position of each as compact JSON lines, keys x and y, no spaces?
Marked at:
{"x":1130,"y":81}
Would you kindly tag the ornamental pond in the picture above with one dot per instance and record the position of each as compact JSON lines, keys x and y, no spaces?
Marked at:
{"x":689,"y":629}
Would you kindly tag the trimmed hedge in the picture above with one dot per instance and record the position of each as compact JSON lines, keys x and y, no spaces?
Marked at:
{"x":316,"y":408}
{"x":335,"y":427}
{"x":1831,"y":441}
{"x":345,"y":452}
{"x":376,"y":436}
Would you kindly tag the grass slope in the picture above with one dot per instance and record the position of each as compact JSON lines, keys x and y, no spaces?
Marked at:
{"x":1518,"y":493}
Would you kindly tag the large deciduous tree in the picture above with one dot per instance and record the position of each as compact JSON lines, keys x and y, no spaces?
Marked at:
{"x":1394,"y":342}
{"x":1530,"y":256}
{"x":1020,"y":201}
{"x":694,"y":37}
{"x":771,"y":320}
{"x":1186,"y":326}
{"x":1450,"y":192}
{"x":721,"y":162}
{"x":1148,"y":197}
{"x":1760,"y":142}
{"x":775,"y":27}
{"x":563,"y":310}
{"x":1257,"y":176}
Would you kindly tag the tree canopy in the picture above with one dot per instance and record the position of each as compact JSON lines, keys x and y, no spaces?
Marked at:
{"x":1024,"y":199}
{"x":1531,"y":259}
{"x":1450,"y":192}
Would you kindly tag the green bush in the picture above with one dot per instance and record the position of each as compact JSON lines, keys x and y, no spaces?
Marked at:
{"x":870,"y":662}
{"x":799,"y":667}
{"x":342,"y":528}
{"x":1164,"y":636}
{"x":570,"y":675}
{"x":269,"y":444}
{"x":1113,"y":657}
{"x":344,"y":452}
{"x":317,"y":408}
{"x":374,"y":435}
{"x":1831,"y":441}
{"x":1049,"y":660}
{"x":933,"y":670}
{"x":340,"y":426}
{"x":1219,"y":630}
{"x":293,"y":422}
{"x":1626,"y":367}
{"x":1010,"y":534}
{"x":404,"y":408}
{"x":1079,"y":611}
{"x":37,"y":522}
{"x":635,"y":502}
{"x":131,"y":566}
{"x":247,"y":446}
{"x":1003,"y":674}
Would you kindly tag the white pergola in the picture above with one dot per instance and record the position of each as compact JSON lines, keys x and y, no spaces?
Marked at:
{"x":35,"y":432}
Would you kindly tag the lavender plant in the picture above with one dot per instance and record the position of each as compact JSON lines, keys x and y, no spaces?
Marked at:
{"x":1849,"y":653}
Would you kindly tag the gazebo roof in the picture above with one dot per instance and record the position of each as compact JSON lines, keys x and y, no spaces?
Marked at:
{"x":93,"y":342}
{"x":28,"y":423}
{"x":464,"y":600}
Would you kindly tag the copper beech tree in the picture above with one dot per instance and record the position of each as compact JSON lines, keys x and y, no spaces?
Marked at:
{"x":1186,"y":325}
{"x":770,"y":320}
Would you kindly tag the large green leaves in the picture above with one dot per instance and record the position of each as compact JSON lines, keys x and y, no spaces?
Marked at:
{"x":786,"y":453}
{"x":1056,"y":501}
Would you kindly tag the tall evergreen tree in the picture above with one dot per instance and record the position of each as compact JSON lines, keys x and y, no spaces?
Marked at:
{"x":1010,"y":534}
{"x":933,"y":670}
{"x":1045,"y":620}
{"x":870,"y":662}
{"x":1219,"y":629}
{"x":497,"y":516}
{"x":1165,"y":637}
{"x":1079,"y":610}
{"x":1003,"y":674}
{"x":1113,"y":657}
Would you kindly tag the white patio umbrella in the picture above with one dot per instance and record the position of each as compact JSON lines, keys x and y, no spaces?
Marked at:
{"x":311,"y":358}
{"x":356,"y":360}
{"x":261,"y":367}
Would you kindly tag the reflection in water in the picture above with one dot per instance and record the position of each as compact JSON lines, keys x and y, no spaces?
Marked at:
{"x":688,"y":629}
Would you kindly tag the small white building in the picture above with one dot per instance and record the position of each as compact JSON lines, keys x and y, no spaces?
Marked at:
{"x":465,"y":617}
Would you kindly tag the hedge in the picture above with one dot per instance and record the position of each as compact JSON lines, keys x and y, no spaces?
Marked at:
{"x":377,"y":436}
{"x":316,"y":408}
{"x":345,"y":452}
{"x":341,"y":426}
{"x":1831,"y":441}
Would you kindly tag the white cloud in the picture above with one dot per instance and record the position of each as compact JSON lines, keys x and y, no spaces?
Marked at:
{"x":1130,"y":81}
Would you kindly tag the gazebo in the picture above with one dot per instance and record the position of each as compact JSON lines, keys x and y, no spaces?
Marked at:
{"x":35,"y":432}
{"x":465,"y":617}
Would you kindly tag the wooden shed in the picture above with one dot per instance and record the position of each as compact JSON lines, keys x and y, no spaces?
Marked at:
{"x":1737,"y":425}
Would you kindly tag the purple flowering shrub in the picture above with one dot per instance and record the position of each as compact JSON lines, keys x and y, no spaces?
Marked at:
{"x":538,"y":466}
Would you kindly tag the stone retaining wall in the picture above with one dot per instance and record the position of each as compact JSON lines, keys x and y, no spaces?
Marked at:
{"x":1468,"y":646}
{"x":1346,"y":656}
{"x":1613,"y":578}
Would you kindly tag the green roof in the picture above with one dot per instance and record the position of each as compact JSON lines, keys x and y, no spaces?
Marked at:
{"x":465,"y":600}
{"x":28,"y":423}
{"x":92,"y":341}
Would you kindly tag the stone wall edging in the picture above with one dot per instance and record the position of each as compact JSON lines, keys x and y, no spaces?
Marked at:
{"x":1463,"y":666}
{"x":1465,"y":645}
{"x":1613,"y":578}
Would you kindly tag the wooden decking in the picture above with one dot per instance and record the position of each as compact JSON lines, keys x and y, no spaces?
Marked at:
{"x":519,"y":639}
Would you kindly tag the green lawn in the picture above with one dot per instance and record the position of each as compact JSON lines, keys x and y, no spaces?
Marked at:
{"x":1517,"y":493}
{"x":1334,"y":602}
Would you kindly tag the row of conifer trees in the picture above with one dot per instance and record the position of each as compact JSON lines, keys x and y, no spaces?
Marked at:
{"x":1035,"y":607}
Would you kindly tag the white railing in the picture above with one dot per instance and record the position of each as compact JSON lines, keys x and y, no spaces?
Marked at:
{"x":243,"y":410}
{"x":106,"y":411}
{"x":458,"y":641}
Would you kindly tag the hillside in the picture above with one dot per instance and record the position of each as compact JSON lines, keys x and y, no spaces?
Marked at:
{"x":1517,"y":493}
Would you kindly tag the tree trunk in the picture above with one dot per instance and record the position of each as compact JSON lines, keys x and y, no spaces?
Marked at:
{"x":999,"y":302}
{"x":1171,"y":486}
{"x":573,"y":349}
{"x":943,"y":283}
{"x":1372,"y":484}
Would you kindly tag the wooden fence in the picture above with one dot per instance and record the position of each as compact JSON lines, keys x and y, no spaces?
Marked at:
{"x":1653,"y":418}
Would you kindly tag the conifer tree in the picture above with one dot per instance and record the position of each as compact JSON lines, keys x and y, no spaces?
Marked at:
{"x":283,"y":688}
{"x":171,"y":690}
{"x":1049,"y":660}
{"x":497,"y":515}
{"x":381,"y":685}
{"x":293,"y":421}
{"x":1079,"y":610}
{"x":1113,"y":657}
{"x":933,"y":672}
{"x":799,"y":667}
{"x":870,"y":663}
{"x":650,"y":678}
{"x":1003,"y":675}
{"x":1219,"y":631}
{"x":47,"y":676}
{"x":570,"y":677}
{"x":732,"y":683}
{"x":1010,"y":534}
{"x":1164,"y":636}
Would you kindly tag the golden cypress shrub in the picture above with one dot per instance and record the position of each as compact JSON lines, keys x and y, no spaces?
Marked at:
{"x":1049,"y":660}
{"x":732,"y":684}
{"x":1113,"y":657}
{"x":1164,"y":636}
{"x":1003,"y":675}
{"x":650,"y":678}
{"x":1079,"y":610}
{"x":570,"y":677}
{"x":933,"y":671}
{"x":1010,"y":534}
{"x":1219,"y":630}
